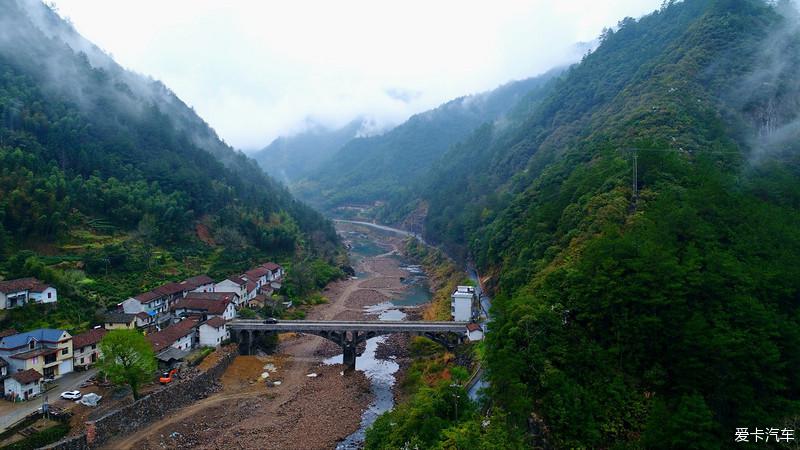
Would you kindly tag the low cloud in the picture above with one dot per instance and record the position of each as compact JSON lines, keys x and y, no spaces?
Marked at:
{"x":255,"y":70}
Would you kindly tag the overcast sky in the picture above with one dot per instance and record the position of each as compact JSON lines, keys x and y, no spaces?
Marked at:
{"x":257,"y":69}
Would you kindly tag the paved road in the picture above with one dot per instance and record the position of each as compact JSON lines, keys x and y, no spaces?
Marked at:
{"x":480,"y":381}
{"x":13,"y":413}
{"x":341,"y":325}
{"x":384,"y":228}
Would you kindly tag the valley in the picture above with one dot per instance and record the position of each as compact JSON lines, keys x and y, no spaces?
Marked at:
{"x":309,"y":412}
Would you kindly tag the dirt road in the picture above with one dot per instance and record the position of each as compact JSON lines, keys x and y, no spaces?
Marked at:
{"x":302,"y":412}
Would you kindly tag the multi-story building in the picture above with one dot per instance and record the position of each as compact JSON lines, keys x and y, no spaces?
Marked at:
{"x":461,"y":303}
{"x":45,"y":350}
{"x":86,"y":348}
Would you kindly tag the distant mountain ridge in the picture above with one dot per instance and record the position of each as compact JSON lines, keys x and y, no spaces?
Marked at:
{"x":375,"y":168}
{"x":291,"y":158}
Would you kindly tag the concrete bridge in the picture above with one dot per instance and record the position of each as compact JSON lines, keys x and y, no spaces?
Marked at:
{"x":347,"y":334}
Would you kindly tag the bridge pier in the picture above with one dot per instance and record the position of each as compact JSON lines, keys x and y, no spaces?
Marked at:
{"x":349,"y":352}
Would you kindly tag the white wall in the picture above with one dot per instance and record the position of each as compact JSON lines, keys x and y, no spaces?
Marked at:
{"x":12,"y":386}
{"x":461,"y":309}
{"x":42,"y":297}
{"x":184,"y":343}
{"x":212,"y":337}
{"x":132,"y":306}
{"x":230,"y":286}
{"x":230,"y":312}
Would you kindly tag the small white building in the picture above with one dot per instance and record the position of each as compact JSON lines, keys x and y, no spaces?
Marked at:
{"x":213,"y":332}
{"x":275,"y":271}
{"x":461,"y":303}
{"x":16,"y":293}
{"x":23,"y":385}
{"x":474,"y":332}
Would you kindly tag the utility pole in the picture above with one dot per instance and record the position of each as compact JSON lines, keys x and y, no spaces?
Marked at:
{"x":635,"y":174}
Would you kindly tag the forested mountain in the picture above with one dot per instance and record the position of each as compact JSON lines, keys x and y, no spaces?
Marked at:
{"x":290,"y":158}
{"x":104,"y":170}
{"x":663,"y":319}
{"x":375,"y":168}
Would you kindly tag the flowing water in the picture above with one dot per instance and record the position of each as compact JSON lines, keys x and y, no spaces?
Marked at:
{"x":380,"y":372}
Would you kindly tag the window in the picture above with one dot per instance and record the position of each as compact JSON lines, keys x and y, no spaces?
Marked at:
{"x":49,"y":295}
{"x":94,"y":346}
{"x":64,"y":351}
{"x":32,"y":344}
{"x":81,"y":360}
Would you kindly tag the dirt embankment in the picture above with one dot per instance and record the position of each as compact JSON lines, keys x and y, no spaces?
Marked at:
{"x":252,"y":412}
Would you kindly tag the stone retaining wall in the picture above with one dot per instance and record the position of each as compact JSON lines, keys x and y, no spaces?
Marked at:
{"x":194,"y":386}
{"x":72,"y":443}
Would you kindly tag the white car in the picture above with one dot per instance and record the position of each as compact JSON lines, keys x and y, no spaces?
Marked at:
{"x":71,"y":395}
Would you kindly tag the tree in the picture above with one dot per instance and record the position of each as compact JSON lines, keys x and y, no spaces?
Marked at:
{"x":127,"y":359}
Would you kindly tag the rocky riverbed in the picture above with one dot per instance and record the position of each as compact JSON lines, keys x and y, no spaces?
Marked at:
{"x":301,"y":411}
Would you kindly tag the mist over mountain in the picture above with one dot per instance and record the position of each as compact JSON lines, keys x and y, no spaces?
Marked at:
{"x":374,"y":168}
{"x":102,"y":167}
{"x":646,"y":318}
{"x":291,"y":158}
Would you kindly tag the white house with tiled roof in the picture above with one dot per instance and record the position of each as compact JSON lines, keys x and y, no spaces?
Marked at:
{"x":23,"y":385}
{"x":15,"y":293}
{"x":213,"y":332}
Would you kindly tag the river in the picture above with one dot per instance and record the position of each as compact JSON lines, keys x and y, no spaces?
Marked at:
{"x":380,"y":372}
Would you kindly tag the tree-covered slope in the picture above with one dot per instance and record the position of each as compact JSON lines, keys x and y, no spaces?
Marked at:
{"x":292,"y":158}
{"x":104,"y":170}
{"x":665,"y":319}
{"x":375,"y":168}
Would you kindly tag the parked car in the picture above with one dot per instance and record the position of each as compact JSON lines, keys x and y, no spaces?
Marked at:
{"x":71,"y":395}
{"x":167,"y":377}
{"x":270,"y":320}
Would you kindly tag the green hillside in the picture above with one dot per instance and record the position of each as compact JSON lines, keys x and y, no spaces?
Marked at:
{"x":376,"y":168}
{"x":659,"y":320}
{"x":110,"y":184}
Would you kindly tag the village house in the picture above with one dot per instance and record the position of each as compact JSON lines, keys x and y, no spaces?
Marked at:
{"x":23,"y":385}
{"x":251,"y":290}
{"x":233,"y":285}
{"x":15,"y":293}
{"x":119,"y":321}
{"x":149,"y":302}
{"x":47,"y":351}
{"x":213,"y":332}
{"x":474,"y":332}
{"x":170,"y":293}
{"x":207,"y":305}
{"x":461,"y":303}
{"x":200,"y":283}
{"x":86,"y":348}
{"x":180,"y":336}
{"x":275,"y":271}
{"x":257,"y":276}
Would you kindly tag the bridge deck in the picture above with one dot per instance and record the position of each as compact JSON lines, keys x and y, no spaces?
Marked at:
{"x":342,"y":325}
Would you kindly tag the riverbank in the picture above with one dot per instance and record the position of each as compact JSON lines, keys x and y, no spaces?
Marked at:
{"x":300,"y":412}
